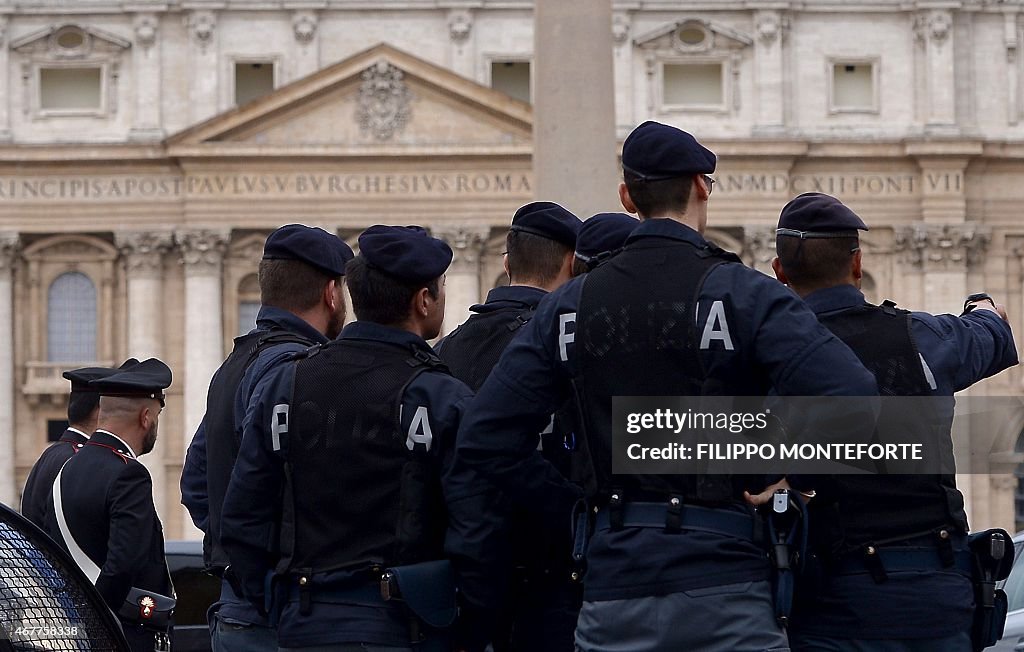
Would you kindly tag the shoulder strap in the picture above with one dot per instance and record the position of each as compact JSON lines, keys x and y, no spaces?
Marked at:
{"x":87,"y":565}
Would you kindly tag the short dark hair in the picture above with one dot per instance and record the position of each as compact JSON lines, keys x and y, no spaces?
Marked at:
{"x":654,"y":198}
{"x":815,"y":262}
{"x":379,"y":297}
{"x":81,"y":405}
{"x":291,"y":284}
{"x":579,"y":267}
{"x":534,"y":257}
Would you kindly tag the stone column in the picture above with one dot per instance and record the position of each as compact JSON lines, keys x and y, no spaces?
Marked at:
{"x":146,"y":57}
{"x":202,"y":53}
{"x":462,"y":281}
{"x":202,"y":252}
{"x":771,"y":27}
{"x":935,"y":29}
{"x":8,"y":253}
{"x":462,"y":50}
{"x":759,"y":248}
{"x":5,"y":83}
{"x":307,"y":42}
{"x":143,"y":264}
{"x":574,"y":143}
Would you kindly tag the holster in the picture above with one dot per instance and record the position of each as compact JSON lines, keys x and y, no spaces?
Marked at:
{"x":149,"y":609}
{"x":786,"y":523}
{"x":427,"y":588}
{"x":992,"y":551}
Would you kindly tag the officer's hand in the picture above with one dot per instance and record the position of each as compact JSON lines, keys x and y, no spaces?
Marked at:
{"x":997,"y":308}
{"x":765,"y":496}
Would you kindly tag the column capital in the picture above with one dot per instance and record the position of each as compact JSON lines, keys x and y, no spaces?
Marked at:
{"x":202,"y":250}
{"x":467,"y":243}
{"x":10,"y":246}
{"x":143,"y":251}
{"x":759,"y":243}
{"x":942,"y":246}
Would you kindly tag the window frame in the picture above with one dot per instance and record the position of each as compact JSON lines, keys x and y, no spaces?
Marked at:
{"x":492,"y":58}
{"x":48,"y":347}
{"x":101,"y":111}
{"x":830,"y":71}
{"x":231,"y":89}
{"x":722,"y":108}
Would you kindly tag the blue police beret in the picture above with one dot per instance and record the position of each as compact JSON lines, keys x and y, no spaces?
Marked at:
{"x":146,"y":379}
{"x":816,"y":215}
{"x":655,"y":151}
{"x":405,"y":252}
{"x":549,"y":220}
{"x":602,"y":233}
{"x":80,"y":378}
{"x":311,"y":245}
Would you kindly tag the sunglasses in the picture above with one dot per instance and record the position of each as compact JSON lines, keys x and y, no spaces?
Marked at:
{"x":709,"y":182}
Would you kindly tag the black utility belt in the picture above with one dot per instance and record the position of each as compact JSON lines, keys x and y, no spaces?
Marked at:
{"x":674,"y":516}
{"x":878,"y":562}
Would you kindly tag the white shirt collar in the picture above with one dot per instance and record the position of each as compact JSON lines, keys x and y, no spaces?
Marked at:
{"x":131,"y":452}
{"x":73,"y":429}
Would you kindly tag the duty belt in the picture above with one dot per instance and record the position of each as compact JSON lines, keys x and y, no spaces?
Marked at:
{"x":674,"y":516}
{"x":878,"y":562}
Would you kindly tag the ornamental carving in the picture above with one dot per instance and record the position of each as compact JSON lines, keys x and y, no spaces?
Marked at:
{"x":143,"y":251}
{"x":620,"y":29}
{"x":10,"y":246}
{"x":201,"y":25}
{"x":768,"y":27}
{"x":202,"y":250}
{"x":934,"y":25}
{"x":942,"y":245}
{"x":383,"y":105}
{"x":146,"y":26}
{"x":460,"y":24}
{"x":3,"y":28}
{"x":759,"y":244}
{"x":467,"y":244}
{"x":304,"y":24}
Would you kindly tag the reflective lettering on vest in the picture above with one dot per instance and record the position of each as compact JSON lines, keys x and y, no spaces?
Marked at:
{"x":565,"y":337}
{"x":547,"y":431}
{"x":419,"y":429}
{"x":716,"y":328}
{"x":279,"y":424}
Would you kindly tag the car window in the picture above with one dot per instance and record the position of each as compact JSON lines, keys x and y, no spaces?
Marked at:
{"x":1014,"y":586}
{"x":196,"y":592}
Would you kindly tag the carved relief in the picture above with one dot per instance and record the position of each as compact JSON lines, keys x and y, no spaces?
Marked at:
{"x":143,"y":251}
{"x":467,"y":244}
{"x":759,"y":244}
{"x":202,"y":249}
{"x":383,"y":105}
{"x":934,"y":25}
{"x":70,"y":42}
{"x":694,"y":35}
{"x":768,"y":26}
{"x":304,"y":24}
{"x":10,"y":245}
{"x":146,"y":26}
{"x":620,"y":28}
{"x":460,"y":24}
{"x":942,"y":245}
{"x":202,"y":25}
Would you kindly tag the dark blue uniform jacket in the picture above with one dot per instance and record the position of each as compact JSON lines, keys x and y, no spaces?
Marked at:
{"x":768,"y":340}
{"x":40,"y":478}
{"x":194,"y":495}
{"x":253,"y":503}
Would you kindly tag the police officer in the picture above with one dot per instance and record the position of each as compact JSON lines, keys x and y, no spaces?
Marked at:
{"x":850,"y":605}
{"x":83,"y":409}
{"x":341,"y":462}
{"x":301,"y":288}
{"x":672,"y":563}
{"x":601,"y":236}
{"x":540,"y":614}
{"x":101,"y":507}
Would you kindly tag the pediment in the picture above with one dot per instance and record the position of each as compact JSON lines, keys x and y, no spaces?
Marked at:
{"x":70,"y":41}
{"x":380,"y":99}
{"x":694,"y":35}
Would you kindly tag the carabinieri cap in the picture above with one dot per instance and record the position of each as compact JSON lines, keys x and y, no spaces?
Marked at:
{"x":80,"y":378}
{"x":146,"y":379}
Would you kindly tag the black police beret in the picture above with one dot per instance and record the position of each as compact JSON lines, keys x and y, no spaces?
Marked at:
{"x":816,"y":215}
{"x":146,"y":379}
{"x":314,"y":246}
{"x":405,"y":252}
{"x":604,"y":232}
{"x":80,"y":378}
{"x":549,"y":220}
{"x":654,"y":151}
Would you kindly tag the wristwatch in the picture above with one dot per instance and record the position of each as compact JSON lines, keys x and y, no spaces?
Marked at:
{"x":975,"y":298}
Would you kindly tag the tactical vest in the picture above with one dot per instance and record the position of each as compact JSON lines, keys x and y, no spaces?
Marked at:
{"x":636,"y":336}
{"x":222,"y":440}
{"x":472,"y":350}
{"x":359,"y":490}
{"x":875,"y":508}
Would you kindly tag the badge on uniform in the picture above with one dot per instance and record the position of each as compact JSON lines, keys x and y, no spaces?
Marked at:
{"x":146,"y":606}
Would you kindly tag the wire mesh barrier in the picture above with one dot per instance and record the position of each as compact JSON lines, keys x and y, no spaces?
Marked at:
{"x":46,"y":602}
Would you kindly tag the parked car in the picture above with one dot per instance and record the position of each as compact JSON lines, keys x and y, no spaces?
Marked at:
{"x":196,"y":591}
{"x":1013,"y":632}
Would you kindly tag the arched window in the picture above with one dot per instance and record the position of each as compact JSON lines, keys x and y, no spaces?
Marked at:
{"x":248,"y":303}
{"x":71,"y":319}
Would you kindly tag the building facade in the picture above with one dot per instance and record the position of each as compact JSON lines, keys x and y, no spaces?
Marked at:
{"x":148,"y":147}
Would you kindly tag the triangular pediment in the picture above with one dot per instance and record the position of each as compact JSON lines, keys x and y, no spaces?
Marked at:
{"x":380,"y":100}
{"x":694,"y":35}
{"x":70,"y":41}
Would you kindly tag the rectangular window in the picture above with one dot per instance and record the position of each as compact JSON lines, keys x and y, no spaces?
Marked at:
{"x":854,"y":86}
{"x":697,"y":85}
{"x":253,"y":80}
{"x":71,"y":89}
{"x":512,"y":78}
